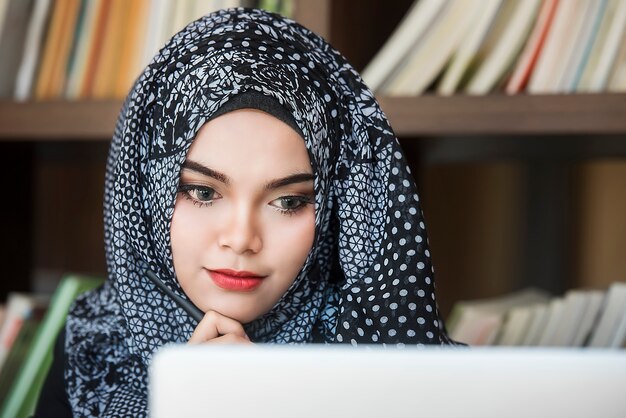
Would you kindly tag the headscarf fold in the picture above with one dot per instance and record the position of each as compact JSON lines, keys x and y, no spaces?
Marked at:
{"x":368,"y":277}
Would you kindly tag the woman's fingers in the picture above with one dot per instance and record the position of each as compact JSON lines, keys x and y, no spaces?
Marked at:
{"x":215,"y":325}
{"x":229,"y":339}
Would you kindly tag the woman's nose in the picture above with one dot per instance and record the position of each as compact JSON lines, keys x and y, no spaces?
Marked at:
{"x":241,"y":231}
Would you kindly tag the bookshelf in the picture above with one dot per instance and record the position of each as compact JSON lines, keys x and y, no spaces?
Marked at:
{"x":58,"y":152}
{"x":58,"y":120}
{"x":536,"y":115}
{"x":507,"y":115}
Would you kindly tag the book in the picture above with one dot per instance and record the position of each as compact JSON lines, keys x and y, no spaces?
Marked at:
{"x":617,"y":79}
{"x":20,"y":346}
{"x":129,"y":64}
{"x":83,"y":9}
{"x":37,"y":25}
{"x":467,"y":52}
{"x":567,"y":323}
{"x":570,"y":44}
{"x":56,"y":50}
{"x":153,"y":41}
{"x":589,"y":318}
{"x":58,"y":78}
{"x":528,"y":57}
{"x":166,"y":30}
{"x":84,"y":40}
{"x":531,"y":317}
{"x":87,"y":78}
{"x":612,"y":313}
{"x":12,"y":40}
{"x":559,"y":44}
{"x":478,"y":322}
{"x":287,"y":8}
{"x":619,"y":336}
{"x":428,"y":57}
{"x":228,"y":4}
{"x":575,"y":305}
{"x":552,"y":322}
{"x":584,"y":40}
{"x":18,"y":307}
{"x":4,"y":5}
{"x":509,"y":34}
{"x":408,"y":32}
{"x":477,"y":327}
{"x":204,"y":7}
{"x":24,"y":392}
{"x":515,"y":327}
{"x":615,"y":36}
{"x":604,"y":49}
{"x":180,"y":17}
{"x":538,"y":319}
{"x":108,"y":62}
{"x":269,"y":5}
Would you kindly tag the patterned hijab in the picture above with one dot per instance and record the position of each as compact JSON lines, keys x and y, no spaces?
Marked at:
{"x":368,"y":277}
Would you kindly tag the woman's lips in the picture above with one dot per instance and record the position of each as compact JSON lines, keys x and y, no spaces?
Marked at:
{"x":236,"y":280}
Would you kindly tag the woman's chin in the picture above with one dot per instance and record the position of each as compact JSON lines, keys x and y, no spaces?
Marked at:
{"x":243,"y":317}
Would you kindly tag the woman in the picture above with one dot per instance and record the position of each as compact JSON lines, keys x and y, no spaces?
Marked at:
{"x":254,"y":173}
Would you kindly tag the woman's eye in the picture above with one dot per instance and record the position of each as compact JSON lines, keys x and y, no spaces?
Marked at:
{"x":201,"y":195}
{"x":204,"y":194}
{"x":290,"y":204}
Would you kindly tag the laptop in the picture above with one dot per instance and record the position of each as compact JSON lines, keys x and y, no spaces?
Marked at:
{"x":366,"y":382}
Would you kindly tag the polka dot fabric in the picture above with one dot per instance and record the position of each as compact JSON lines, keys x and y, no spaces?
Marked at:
{"x":367,"y":279}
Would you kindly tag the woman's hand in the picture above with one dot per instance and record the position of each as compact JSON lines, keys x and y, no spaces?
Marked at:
{"x":216,"y":328}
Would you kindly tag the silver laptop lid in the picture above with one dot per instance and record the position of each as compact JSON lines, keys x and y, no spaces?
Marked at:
{"x":340,"y":381}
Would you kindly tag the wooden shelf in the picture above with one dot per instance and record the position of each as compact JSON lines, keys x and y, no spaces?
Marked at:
{"x":574,"y":114}
{"x":581,"y":114}
{"x":58,"y":120}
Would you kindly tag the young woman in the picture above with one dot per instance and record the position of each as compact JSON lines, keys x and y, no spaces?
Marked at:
{"x":254,"y":173}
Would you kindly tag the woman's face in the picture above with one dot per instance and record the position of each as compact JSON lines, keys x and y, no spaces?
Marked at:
{"x":244,"y":219}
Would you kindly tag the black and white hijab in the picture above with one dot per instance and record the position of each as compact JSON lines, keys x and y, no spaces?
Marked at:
{"x":368,"y":278}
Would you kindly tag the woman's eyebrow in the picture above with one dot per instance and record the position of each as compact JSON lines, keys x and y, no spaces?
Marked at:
{"x":272,"y":185}
{"x":206,"y":171}
{"x":285,"y":181}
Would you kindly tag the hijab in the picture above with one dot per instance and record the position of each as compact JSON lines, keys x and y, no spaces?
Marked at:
{"x":368,"y":276}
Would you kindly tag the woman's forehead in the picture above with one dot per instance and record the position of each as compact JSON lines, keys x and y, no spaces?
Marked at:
{"x":249,"y":142}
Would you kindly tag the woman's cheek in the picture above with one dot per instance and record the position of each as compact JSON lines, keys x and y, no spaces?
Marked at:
{"x":293,"y":235}
{"x":186,"y":233}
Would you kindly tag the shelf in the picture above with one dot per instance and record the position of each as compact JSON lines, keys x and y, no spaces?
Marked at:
{"x":576,"y":114}
{"x":58,"y":120}
{"x":581,"y":114}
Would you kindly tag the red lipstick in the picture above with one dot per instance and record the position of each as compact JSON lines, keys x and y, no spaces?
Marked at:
{"x":236,"y":280}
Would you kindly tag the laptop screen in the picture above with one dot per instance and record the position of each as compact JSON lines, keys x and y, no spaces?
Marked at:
{"x":342,"y":381}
